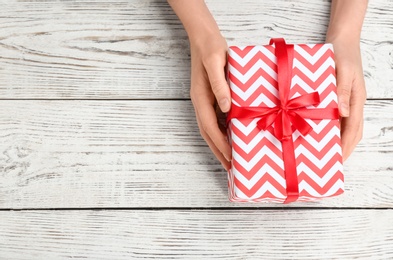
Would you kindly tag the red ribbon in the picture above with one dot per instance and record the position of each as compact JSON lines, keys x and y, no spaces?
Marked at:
{"x":288,"y":116}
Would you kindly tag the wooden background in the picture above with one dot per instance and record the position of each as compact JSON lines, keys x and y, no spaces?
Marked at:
{"x":100,"y":154}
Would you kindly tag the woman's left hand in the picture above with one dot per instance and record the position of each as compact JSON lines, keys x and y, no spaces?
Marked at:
{"x":351,"y":91}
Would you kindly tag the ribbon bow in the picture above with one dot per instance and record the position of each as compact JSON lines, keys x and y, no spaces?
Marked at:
{"x":288,"y":116}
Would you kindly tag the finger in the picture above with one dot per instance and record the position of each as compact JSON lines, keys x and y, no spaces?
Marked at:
{"x":344,"y":86}
{"x":221,"y":119}
{"x":213,"y":148}
{"x":216,"y":73}
{"x":208,"y":123}
{"x":352,"y":129}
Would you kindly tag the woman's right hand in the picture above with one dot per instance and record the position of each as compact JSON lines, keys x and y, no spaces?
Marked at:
{"x":208,"y":88}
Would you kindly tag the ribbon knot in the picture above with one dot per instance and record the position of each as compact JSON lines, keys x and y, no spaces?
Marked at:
{"x":288,"y":116}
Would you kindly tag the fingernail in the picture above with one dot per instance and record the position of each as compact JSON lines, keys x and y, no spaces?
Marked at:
{"x":344,"y":109}
{"x":224,"y":104}
{"x":227,"y":158}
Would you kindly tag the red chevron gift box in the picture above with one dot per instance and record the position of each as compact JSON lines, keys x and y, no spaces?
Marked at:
{"x":283,"y":125}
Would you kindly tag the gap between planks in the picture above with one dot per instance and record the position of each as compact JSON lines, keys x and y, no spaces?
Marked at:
{"x":129,"y":99}
{"x":192,"y":208}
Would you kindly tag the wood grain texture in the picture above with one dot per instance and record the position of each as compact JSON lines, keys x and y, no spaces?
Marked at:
{"x":92,"y":49}
{"x":139,"y":50}
{"x":149,"y":154}
{"x":206,"y":234}
{"x":83,"y":152}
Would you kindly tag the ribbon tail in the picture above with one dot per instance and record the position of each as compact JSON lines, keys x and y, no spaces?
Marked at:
{"x":266,"y":121}
{"x":299,"y":123}
{"x":290,"y":170}
{"x":278,"y":126}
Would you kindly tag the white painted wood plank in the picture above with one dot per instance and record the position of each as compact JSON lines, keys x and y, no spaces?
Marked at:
{"x":138,"y":49}
{"x":196,"y":234}
{"x":148,"y":154}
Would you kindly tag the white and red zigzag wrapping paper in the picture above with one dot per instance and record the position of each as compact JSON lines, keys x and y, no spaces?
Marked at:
{"x":257,"y":168}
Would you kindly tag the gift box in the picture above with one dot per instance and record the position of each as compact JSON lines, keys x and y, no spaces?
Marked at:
{"x":283,"y":125}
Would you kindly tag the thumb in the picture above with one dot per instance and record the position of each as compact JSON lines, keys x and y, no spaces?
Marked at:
{"x":344,"y":87}
{"x":220,"y":88}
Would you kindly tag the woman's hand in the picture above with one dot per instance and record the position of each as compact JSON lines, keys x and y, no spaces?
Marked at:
{"x":351,"y":92}
{"x":346,"y":20}
{"x":208,"y":86}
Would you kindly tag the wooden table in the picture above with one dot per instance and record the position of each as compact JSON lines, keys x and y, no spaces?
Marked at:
{"x":101,"y":157}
